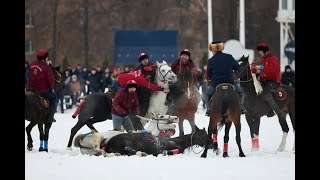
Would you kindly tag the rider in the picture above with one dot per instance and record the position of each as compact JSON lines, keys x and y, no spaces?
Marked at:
{"x":220,"y":70}
{"x":41,"y":79}
{"x":124,"y":105}
{"x":268,"y":73}
{"x":184,"y":61}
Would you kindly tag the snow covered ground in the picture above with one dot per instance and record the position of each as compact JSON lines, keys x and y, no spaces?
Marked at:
{"x":265,"y":164}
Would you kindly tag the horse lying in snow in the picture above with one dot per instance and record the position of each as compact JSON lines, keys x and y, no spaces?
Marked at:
{"x":159,"y":125}
{"x":141,"y":144}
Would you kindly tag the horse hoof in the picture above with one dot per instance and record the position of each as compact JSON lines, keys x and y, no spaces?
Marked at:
{"x":41,"y":149}
{"x":225,"y":155}
{"x":69,"y":148}
{"x":29,"y":148}
{"x":242,"y":155}
{"x":204,"y":156}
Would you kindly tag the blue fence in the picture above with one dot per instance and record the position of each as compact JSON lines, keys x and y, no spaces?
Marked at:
{"x":159,"y":45}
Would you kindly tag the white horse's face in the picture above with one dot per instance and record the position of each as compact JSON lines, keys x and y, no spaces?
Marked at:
{"x":165,"y":73}
{"x":162,"y":123}
{"x":165,"y":118}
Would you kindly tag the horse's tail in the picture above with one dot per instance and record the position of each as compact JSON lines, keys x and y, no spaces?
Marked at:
{"x":75,"y":114}
{"x":224,"y":106}
{"x":77,"y":140}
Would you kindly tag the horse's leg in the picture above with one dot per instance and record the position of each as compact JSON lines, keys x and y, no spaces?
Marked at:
{"x":192,"y":123}
{"x":255,"y":138}
{"x":41,"y":134}
{"x":285,"y":130}
{"x":47,"y":127}
{"x":254,"y":125}
{"x":226,"y":139}
{"x":211,"y":127}
{"x":28,"y":131}
{"x":181,"y":131}
{"x":238,"y":138}
{"x":90,"y":126}
{"x":293,"y":121}
{"x":74,"y":130}
{"x":215,"y":139}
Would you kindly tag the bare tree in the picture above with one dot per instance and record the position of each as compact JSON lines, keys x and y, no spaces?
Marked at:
{"x":54,"y":30}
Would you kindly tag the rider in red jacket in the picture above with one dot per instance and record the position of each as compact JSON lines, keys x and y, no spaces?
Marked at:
{"x":140,"y":79}
{"x":268,"y":72}
{"x":41,"y":79}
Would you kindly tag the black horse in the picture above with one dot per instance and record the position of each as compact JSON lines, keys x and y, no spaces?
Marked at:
{"x":257,"y":107}
{"x":130,"y":144}
{"x":184,"y":98}
{"x":225,"y":110}
{"x":95,"y":107}
{"x":36,"y":111}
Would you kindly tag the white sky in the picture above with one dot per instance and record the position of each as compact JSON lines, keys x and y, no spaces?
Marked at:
{"x":265,"y":164}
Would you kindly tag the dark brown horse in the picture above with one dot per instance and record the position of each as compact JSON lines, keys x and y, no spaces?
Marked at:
{"x":224,"y":110}
{"x":36,"y":111}
{"x":130,"y":144}
{"x":257,"y":107}
{"x":184,"y":98}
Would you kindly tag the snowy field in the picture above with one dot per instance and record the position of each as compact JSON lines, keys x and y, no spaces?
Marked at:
{"x":266,"y":164}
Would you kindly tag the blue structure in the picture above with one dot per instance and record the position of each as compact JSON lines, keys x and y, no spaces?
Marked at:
{"x":159,"y":45}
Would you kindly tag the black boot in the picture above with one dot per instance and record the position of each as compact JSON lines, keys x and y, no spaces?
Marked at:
{"x":52,"y":110}
{"x":272,"y":103}
{"x":208,"y":107}
{"x":243,"y":109}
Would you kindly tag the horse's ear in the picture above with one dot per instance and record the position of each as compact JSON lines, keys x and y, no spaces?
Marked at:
{"x":197,"y":129}
{"x":164,"y":62}
{"x":247,"y":57}
{"x":152,"y":115}
{"x":158,"y":64}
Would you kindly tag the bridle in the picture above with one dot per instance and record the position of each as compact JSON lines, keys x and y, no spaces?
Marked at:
{"x":243,"y":70}
{"x":162,"y":77}
{"x":59,"y":76}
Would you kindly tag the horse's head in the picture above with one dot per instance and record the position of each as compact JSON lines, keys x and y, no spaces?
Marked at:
{"x":199,"y":137}
{"x":163,"y":124}
{"x":57,"y":73}
{"x":164,"y":73}
{"x":244,"y":72}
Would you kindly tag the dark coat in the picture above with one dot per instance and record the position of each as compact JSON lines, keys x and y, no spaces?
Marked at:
{"x":125,"y":103}
{"x":220,"y":68}
{"x":288,"y":78}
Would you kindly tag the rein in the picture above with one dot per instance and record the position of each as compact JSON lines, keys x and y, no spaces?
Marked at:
{"x":59,"y":76}
{"x":239,"y":73}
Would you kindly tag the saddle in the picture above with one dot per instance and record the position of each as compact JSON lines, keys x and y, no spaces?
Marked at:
{"x":280,"y":93}
{"x":224,"y":86}
{"x":44,"y":102}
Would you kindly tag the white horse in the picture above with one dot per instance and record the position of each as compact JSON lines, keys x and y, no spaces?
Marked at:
{"x":90,"y":144}
{"x":164,"y":76}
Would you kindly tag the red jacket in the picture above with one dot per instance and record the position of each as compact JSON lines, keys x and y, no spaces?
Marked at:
{"x":125,"y":103}
{"x":271,"y":67}
{"x":175,"y":67}
{"x":139,"y":78}
{"x":41,"y":77}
